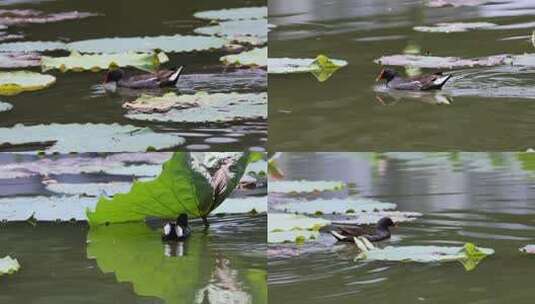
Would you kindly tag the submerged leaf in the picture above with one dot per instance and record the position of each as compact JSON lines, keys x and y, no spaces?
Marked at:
{"x":335,"y":206}
{"x":176,"y":43}
{"x":321,"y":67}
{"x":65,"y":138}
{"x":254,"y":57}
{"x":300,"y":186}
{"x":12,"y":83}
{"x":242,"y":13}
{"x":473,"y":255}
{"x":5,"y":107}
{"x":200,"y":107}
{"x":189,"y":183}
{"x":8,"y":265}
{"x":77,"y":62}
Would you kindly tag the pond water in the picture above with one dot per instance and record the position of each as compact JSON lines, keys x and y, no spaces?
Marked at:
{"x":489,"y":108}
{"x":78,"y":97}
{"x":484,"y":198}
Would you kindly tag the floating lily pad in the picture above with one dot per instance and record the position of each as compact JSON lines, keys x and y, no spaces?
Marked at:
{"x":455,"y":3}
{"x":469,"y":255}
{"x":299,"y":186}
{"x":242,"y":13}
{"x":32,"y":46}
{"x":77,"y":62}
{"x":89,"y":137}
{"x":454,"y":27}
{"x":247,"y":31}
{"x":176,"y":43}
{"x":243,"y":205}
{"x":287,"y":222}
{"x":257,"y":168}
{"x":12,"y":83}
{"x":191,"y":175}
{"x":8,"y":265}
{"x":19,"y":60}
{"x":529,"y":249}
{"x":90,"y":189}
{"x":321,"y":67}
{"x":293,"y":228}
{"x":5,"y":107}
{"x":422,"y":61}
{"x":335,"y":206}
{"x":201,"y":107}
{"x":115,"y":164}
{"x":44,"y":208}
{"x":30,"y":16}
{"x":370,"y":218}
{"x":254,"y":57}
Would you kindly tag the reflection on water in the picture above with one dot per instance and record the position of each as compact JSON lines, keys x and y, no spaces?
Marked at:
{"x":485,"y":198}
{"x":344,"y":113}
{"x":128,"y":263}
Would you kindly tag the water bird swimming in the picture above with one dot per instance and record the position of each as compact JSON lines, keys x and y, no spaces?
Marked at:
{"x":382,"y":232}
{"x":158,"y":79}
{"x":178,"y":231}
{"x":427,"y":82}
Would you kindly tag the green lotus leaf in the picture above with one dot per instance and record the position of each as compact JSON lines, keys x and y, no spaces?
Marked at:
{"x":242,"y":13}
{"x":12,"y":83}
{"x":300,"y":186}
{"x":255,"y":57}
{"x":469,"y":255}
{"x":321,"y":67}
{"x":77,"y":62}
{"x":184,"y":186}
{"x":336,"y":206}
{"x":200,"y":107}
{"x":173,"y":44}
{"x":5,"y":107}
{"x":8,"y":265}
{"x":65,"y":138}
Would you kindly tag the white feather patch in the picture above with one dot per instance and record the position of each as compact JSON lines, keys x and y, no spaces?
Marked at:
{"x":167,"y":229}
{"x":440,"y":80}
{"x":179,"y":231}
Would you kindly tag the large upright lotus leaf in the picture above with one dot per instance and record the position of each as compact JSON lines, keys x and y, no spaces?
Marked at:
{"x":89,"y":137}
{"x":90,"y":189}
{"x":254,"y":57}
{"x":256,"y":204}
{"x":19,"y":60}
{"x":176,"y":43}
{"x":5,"y":107}
{"x":239,"y":31}
{"x":435,"y":62}
{"x":135,"y":254}
{"x":77,"y":62}
{"x":321,"y":67}
{"x":529,"y":249}
{"x":12,"y":83}
{"x":32,"y":46}
{"x":200,"y":107}
{"x":302,"y":186}
{"x":454,"y":27}
{"x":45,"y":208}
{"x":242,"y":13}
{"x":184,"y":186}
{"x":469,"y":255}
{"x":335,"y":206}
{"x":8,"y":265}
